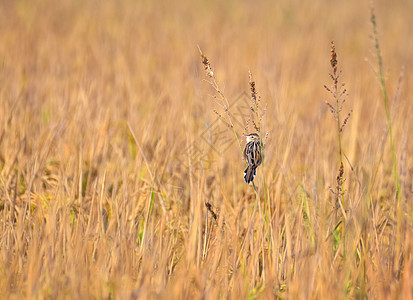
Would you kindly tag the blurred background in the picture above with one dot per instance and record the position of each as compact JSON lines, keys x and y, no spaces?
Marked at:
{"x":110,"y":146}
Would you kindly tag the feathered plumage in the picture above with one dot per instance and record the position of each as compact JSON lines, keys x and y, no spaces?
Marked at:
{"x":253,"y":156}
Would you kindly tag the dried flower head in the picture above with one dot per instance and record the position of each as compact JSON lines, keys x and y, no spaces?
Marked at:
{"x":333,"y":60}
{"x":209,"y":208}
{"x":252,"y":88}
{"x":207,"y":65}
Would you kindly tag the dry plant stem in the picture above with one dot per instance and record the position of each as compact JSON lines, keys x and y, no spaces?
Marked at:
{"x":148,"y":213}
{"x":341,"y":160}
{"x":255,"y":100}
{"x":205,"y":238}
{"x":389,"y":126}
{"x":257,"y":197}
{"x":223,"y":100}
{"x":338,"y":109}
{"x":267,"y":213}
{"x":386,"y":107}
{"x":338,"y":94}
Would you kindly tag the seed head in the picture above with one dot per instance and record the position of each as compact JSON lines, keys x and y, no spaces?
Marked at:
{"x":333,"y":60}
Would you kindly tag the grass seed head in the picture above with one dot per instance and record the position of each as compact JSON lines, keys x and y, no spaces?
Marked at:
{"x":333,"y":60}
{"x":207,"y":65}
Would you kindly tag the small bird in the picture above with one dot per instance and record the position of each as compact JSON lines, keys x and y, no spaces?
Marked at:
{"x":253,"y":156}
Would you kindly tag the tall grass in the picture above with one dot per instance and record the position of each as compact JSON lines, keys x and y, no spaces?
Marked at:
{"x":118,"y":181}
{"x":338,"y":92}
{"x":386,"y":105}
{"x":400,"y":211}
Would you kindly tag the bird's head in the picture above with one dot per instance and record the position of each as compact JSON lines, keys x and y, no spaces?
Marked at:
{"x":252,"y":137}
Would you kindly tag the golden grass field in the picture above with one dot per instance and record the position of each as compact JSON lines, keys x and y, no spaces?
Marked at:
{"x":110,"y":150}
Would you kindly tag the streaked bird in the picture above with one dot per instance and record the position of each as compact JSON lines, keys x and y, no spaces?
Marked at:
{"x":252,"y":155}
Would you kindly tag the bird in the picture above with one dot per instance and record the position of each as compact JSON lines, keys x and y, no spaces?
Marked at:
{"x":252,"y":155}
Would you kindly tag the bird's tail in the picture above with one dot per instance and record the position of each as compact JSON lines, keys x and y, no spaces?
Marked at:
{"x":249,"y":174}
